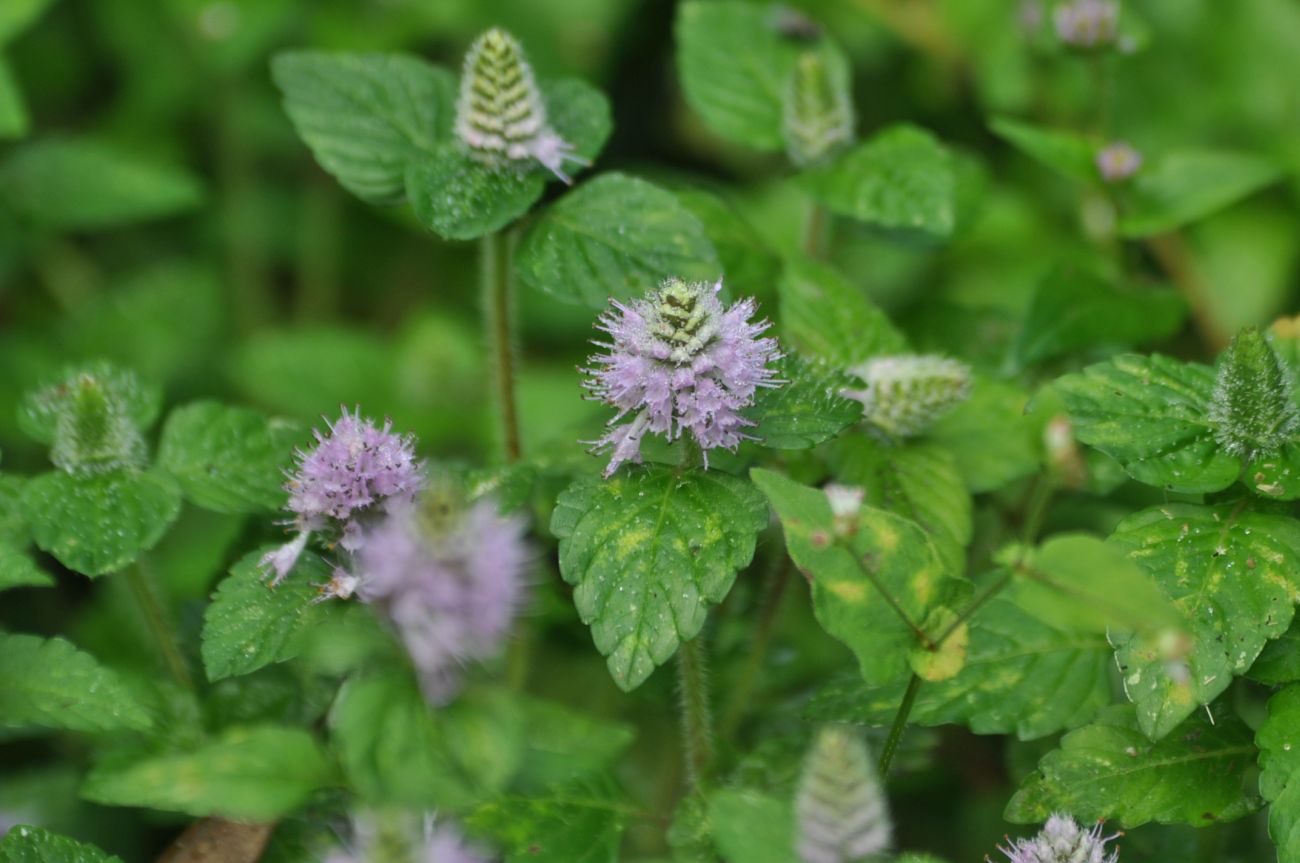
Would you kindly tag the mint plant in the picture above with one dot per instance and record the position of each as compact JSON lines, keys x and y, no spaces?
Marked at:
{"x":876,"y":436}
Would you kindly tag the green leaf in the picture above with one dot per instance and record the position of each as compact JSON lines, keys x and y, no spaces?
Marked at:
{"x":1279,"y":763}
{"x":1184,"y":187}
{"x":825,"y":317}
{"x":17,"y":569}
{"x":562,"y":745}
{"x":255,"y":773}
{"x":647,"y":552}
{"x":35,"y":845}
{"x":396,"y":750}
{"x":614,"y":236}
{"x":1022,"y":676}
{"x":66,"y":184}
{"x":1109,"y":769}
{"x":14,"y":121}
{"x":580,"y":823}
{"x":1151,"y":414}
{"x":1234,"y":576}
{"x":17,"y":15}
{"x":366,"y":117}
{"x":250,"y":624}
{"x":733,"y":65}
{"x":459,"y":197}
{"x":100,"y":523}
{"x":807,"y":409}
{"x":989,"y":435}
{"x":881,"y":589}
{"x":1279,"y":661}
{"x":752,"y":826}
{"x":1067,"y":153}
{"x":750,"y":265}
{"x":917,"y":480}
{"x":901,"y":179}
{"x":1073,"y":310}
{"x":48,"y":683}
{"x":13,"y":526}
{"x":228,"y":459}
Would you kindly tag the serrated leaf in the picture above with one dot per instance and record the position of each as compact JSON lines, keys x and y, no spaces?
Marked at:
{"x":1073,"y":310}
{"x":1067,"y":153}
{"x":250,"y":624}
{"x":459,"y":197}
{"x":17,"y":15}
{"x":647,"y":552}
{"x":1183,"y":187}
{"x":733,"y":65}
{"x":614,"y":237}
{"x":901,"y":179}
{"x":579,"y":823}
{"x":875,"y":589}
{"x":1022,"y":676}
{"x":825,"y":317}
{"x":806,"y":409}
{"x":14,"y":121}
{"x":228,"y":459}
{"x":48,"y":683}
{"x":366,"y":117}
{"x":752,"y":826}
{"x":1110,"y":770}
{"x":989,"y":435}
{"x":917,"y":480}
{"x":67,"y":184}
{"x":100,"y":523}
{"x":27,"y":844}
{"x":17,"y":569}
{"x":1234,"y":576}
{"x":1279,"y":763}
{"x":1151,"y":415}
{"x":255,"y":773}
{"x":1279,"y":661}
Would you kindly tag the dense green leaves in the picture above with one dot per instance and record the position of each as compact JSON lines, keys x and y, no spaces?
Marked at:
{"x":35,"y":845}
{"x":98,"y":524}
{"x":614,"y":236}
{"x":901,"y":179}
{"x":826,"y":317}
{"x":878,"y":586}
{"x":1109,"y":769}
{"x":258,"y":773}
{"x":1151,"y":414}
{"x":48,"y":683}
{"x":228,"y":459}
{"x":1235,"y":577}
{"x":251,"y":624}
{"x":647,"y":552}
{"x":366,"y":117}
{"x":66,"y":184}
{"x":989,"y":435}
{"x":1182,"y":187}
{"x":806,"y":409}
{"x":734,"y":65}
{"x":1279,"y":761}
{"x":578,"y":823}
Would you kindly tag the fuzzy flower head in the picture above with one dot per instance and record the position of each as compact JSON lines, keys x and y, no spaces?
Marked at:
{"x":1118,"y":161}
{"x":1087,"y":24}
{"x":451,"y":578}
{"x":840,"y":810}
{"x":500,"y":115}
{"x":379,"y":837}
{"x":1062,"y":840}
{"x":818,"y":116}
{"x":1253,"y":409}
{"x":904,"y":394}
{"x":679,"y":362}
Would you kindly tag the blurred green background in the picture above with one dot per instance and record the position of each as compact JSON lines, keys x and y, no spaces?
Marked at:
{"x":157,"y":209}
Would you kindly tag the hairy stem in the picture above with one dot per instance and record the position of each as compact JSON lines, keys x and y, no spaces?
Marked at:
{"x":156,"y":619}
{"x":697,"y":717}
{"x":900,"y":724}
{"x":816,"y":226}
{"x":773,"y":592}
{"x":494,"y":264}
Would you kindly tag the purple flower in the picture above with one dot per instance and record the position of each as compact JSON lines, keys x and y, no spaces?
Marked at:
{"x":1062,"y":840}
{"x":1087,"y":23}
{"x":378,"y":836}
{"x":452,"y":584}
{"x":679,"y":362}
{"x":1118,"y":161}
{"x":356,"y":470}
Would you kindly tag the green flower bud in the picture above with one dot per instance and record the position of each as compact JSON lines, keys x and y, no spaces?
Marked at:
{"x":904,"y":395}
{"x":1253,"y":409}
{"x":840,"y":809}
{"x":818,"y":110}
{"x":93,"y":419}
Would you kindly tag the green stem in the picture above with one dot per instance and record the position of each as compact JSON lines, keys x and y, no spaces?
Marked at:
{"x":494,"y":263}
{"x":156,"y":619}
{"x":1040,"y":500}
{"x":697,"y":718}
{"x":318,"y":245}
{"x":240,"y":214}
{"x":773,"y":592}
{"x":900,"y":723}
{"x":815,"y":227}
